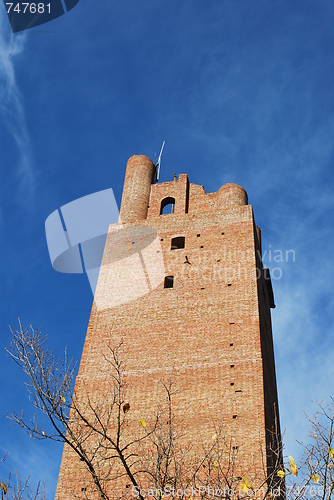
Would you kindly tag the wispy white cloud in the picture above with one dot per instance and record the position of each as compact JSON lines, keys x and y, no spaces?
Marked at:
{"x":302,"y":322}
{"x":303,"y":361}
{"x":31,"y":459}
{"x":11,"y":104}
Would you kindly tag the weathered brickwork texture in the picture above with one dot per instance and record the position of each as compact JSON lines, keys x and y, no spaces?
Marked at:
{"x":211,"y":332}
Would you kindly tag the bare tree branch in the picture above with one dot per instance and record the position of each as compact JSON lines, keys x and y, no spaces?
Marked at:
{"x":99,"y":431}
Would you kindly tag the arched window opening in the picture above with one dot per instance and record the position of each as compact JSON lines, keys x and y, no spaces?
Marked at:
{"x":178,"y":242}
{"x":167,"y":206}
{"x":169,"y":282}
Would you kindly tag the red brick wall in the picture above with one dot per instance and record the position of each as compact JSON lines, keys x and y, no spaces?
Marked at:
{"x":211,"y":331}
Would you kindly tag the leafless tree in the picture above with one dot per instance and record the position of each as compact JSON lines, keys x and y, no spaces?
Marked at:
{"x":316,"y":467}
{"x":21,"y":489}
{"x":92,"y":429}
{"x":99,"y":432}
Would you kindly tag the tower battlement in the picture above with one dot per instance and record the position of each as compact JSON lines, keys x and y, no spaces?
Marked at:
{"x":144,"y":199}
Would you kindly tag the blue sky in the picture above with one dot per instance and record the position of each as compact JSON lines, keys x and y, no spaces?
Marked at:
{"x":241,"y":91}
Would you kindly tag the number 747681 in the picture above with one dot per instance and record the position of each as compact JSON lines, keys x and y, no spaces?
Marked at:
{"x":27,"y":7}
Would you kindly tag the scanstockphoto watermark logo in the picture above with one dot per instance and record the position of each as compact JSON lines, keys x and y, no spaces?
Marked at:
{"x":277,"y":259}
{"x":203,"y":492}
{"x":298,"y":491}
{"x":132,"y":265}
{"x":226,"y":265}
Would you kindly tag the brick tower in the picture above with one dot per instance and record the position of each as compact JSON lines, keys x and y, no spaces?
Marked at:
{"x":182,"y":285}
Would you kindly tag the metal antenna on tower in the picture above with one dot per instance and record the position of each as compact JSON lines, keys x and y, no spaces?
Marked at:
{"x":158,"y":163}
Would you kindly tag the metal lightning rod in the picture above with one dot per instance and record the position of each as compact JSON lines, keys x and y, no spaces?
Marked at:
{"x":158,"y":163}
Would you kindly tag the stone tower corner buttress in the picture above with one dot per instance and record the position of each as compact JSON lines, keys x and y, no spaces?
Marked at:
{"x":139,"y":177}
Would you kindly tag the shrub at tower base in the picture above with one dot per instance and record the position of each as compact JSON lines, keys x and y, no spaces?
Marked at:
{"x":122,"y":456}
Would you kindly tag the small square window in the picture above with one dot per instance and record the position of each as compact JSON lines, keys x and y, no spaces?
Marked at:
{"x":198,"y":235}
{"x":178,"y":242}
{"x":169,"y":282}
